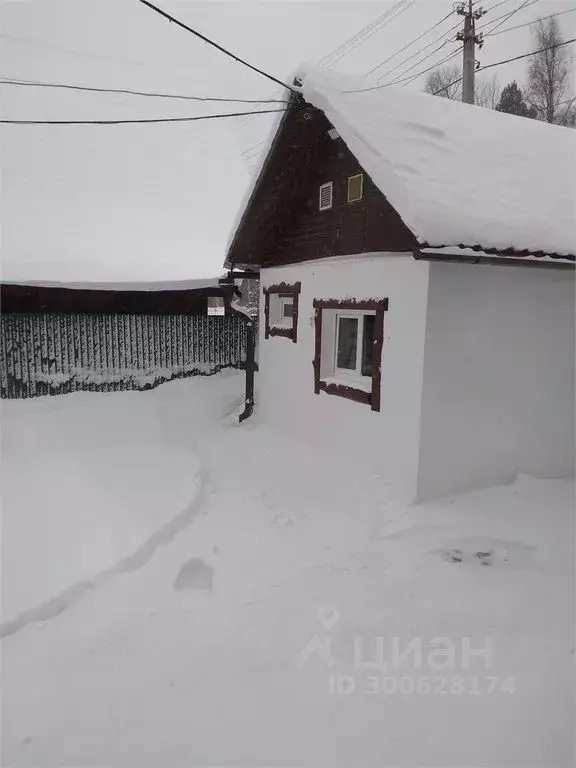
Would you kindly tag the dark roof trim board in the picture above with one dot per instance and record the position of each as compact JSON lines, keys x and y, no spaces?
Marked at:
{"x":514,"y":259}
{"x":294,"y":100}
{"x":496,"y":252}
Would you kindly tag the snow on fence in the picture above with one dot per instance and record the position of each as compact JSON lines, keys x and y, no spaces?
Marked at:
{"x":49,"y":354}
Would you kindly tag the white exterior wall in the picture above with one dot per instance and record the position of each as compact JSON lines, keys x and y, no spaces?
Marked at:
{"x":386,"y":441}
{"x":498,"y":394}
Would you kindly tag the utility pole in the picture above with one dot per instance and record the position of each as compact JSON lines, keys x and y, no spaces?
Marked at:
{"x":471,"y":40}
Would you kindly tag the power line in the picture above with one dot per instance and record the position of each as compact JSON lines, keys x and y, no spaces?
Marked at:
{"x":401,"y":77}
{"x":216,"y":45}
{"x":525,"y":55}
{"x":379,"y":24}
{"x":507,"y":61}
{"x":504,"y":16}
{"x":143,"y":120}
{"x":39,"y":84}
{"x":410,"y":77}
{"x":420,"y":50}
{"x":496,"y":5}
{"x":505,"y":19}
{"x":400,"y":50}
{"x":406,"y":80}
{"x":358,"y":37}
{"x":529,"y":23}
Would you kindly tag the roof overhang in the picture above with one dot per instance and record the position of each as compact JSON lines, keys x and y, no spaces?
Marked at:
{"x":477,"y":255}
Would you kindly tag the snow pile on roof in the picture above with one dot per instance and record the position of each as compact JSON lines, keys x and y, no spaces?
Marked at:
{"x":152,"y":286}
{"x":457,"y":174}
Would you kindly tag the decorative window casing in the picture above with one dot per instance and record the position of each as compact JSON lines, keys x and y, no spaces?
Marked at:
{"x":355,"y":188}
{"x":325,"y":196}
{"x":348,"y":339}
{"x":281,"y":310}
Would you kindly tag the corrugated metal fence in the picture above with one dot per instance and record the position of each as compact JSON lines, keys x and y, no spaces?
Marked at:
{"x":48,"y":354}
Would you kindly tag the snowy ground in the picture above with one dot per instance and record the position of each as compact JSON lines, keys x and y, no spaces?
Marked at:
{"x":236,"y":586}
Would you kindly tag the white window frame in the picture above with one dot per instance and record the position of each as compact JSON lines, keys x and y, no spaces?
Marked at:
{"x":350,"y":178}
{"x":348,"y":373}
{"x":328,"y":185}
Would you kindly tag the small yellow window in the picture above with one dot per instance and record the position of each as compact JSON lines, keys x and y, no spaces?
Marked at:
{"x":355,"y":187}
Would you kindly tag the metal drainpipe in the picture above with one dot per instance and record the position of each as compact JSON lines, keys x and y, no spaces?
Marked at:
{"x":228,"y":292}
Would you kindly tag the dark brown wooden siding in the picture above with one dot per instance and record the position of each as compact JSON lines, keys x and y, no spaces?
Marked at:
{"x":28,"y":298}
{"x":283,"y":223}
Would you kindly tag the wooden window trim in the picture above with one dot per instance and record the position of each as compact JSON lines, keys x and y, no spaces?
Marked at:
{"x":284,"y":290}
{"x":379,"y":306}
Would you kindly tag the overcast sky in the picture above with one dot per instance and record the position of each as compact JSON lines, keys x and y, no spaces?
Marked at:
{"x":154,"y":202}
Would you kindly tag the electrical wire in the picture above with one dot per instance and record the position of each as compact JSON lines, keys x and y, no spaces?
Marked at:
{"x":143,"y":120}
{"x":326,"y":60}
{"x":400,"y":76}
{"x":525,"y":4}
{"x":376,"y":26}
{"x":357,"y":37}
{"x":496,"y":5}
{"x":39,"y":84}
{"x":421,"y":50}
{"x":525,"y":55}
{"x":406,"y":80}
{"x":400,"y":50}
{"x":507,"y":61}
{"x":529,"y":23}
{"x":505,"y":16}
{"x":216,"y":45}
{"x":410,"y":77}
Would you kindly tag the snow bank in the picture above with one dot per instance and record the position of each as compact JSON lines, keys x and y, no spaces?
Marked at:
{"x":253,"y":638}
{"x":89,"y":479}
{"x":457,"y":174}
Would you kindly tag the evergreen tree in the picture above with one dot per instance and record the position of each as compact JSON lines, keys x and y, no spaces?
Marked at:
{"x":512,"y":101}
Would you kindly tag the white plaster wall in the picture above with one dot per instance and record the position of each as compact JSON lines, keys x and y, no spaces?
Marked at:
{"x":386,"y":442}
{"x":498,"y":394}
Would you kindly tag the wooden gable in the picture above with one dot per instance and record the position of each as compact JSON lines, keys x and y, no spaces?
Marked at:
{"x":283,"y":223}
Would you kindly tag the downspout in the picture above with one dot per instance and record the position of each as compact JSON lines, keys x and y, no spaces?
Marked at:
{"x":229,"y":292}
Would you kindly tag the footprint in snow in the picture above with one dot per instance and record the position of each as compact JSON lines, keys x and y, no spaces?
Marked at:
{"x":194,"y":574}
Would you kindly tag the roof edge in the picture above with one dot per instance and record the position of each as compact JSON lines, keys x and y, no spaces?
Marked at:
{"x":293,"y":100}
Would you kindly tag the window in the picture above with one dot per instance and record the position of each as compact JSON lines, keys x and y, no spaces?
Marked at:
{"x":325,"y":196}
{"x":348,"y":348}
{"x":355,"y":187}
{"x":281,"y":310}
{"x":286,"y":309}
{"x":354,"y":339}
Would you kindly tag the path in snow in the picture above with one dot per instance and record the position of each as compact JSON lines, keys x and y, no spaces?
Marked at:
{"x":292,"y":557}
{"x":138,"y":559}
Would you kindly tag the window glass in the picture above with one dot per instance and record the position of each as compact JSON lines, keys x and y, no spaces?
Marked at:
{"x":367,"y":342}
{"x":287,"y":308}
{"x":355,"y":184}
{"x":347,"y":343}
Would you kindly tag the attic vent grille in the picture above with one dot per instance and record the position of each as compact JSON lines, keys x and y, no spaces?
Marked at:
{"x":325,"y":197}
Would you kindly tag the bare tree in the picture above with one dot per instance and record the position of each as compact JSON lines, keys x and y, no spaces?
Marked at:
{"x":487,"y":93}
{"x":549,"y":73}
{"x":441,"y":82}
{"x":447,"y":82}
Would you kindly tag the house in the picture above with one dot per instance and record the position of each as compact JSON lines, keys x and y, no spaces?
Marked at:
{"x":416,"y":261}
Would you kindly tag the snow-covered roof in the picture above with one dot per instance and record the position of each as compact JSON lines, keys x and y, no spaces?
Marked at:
{"x":162,"y":285}
{"x":457,"y":174}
